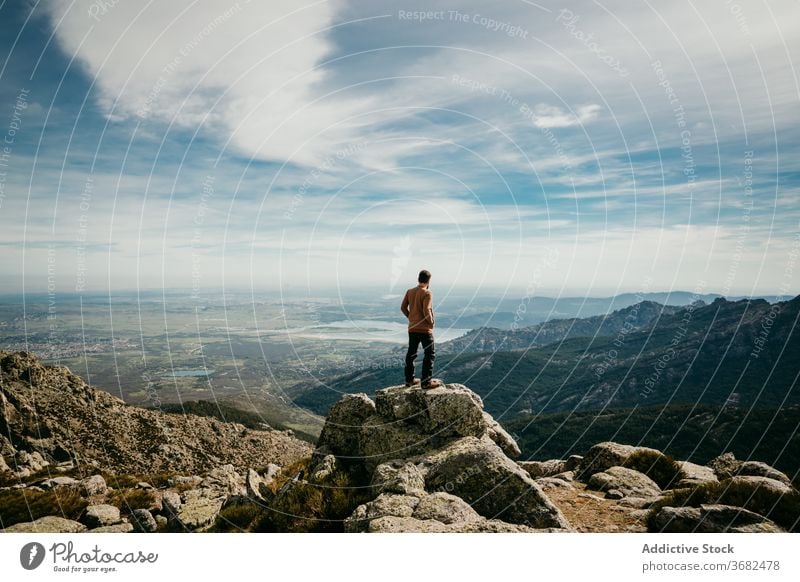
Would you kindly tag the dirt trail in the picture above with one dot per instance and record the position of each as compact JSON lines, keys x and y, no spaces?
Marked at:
{"x":588,"y":511}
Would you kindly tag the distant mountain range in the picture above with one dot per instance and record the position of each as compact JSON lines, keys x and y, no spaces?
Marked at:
{"x":485,"y":339}
{"x":739,"y":355}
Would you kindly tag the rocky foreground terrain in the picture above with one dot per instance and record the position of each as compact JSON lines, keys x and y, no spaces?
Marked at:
{"x":77,"y":459}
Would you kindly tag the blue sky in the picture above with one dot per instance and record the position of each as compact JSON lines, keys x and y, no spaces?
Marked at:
{"x":581,"y":148}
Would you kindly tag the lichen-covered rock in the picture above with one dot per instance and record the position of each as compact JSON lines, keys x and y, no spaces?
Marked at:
{"x":398,"y":477}
{"x":385,"y":504}
{"x":224,"y":481}
{"x":693,"y":474}
{"x":170,"y":502}
{"x":198,"y":511}
{"x":100,"y":515}
{"x":124,"y":527}
{"x":605,"y":455}
{"x":61,"y":481}
{"x":47,"y":524}
{"x":627,"y":482}
{"x":445,"y":508}
{"x":94,"y":485}
{"x":537,"y":469}
{"x":432,"y":513}
{"x":711,"y":519}
{"x":323,"y":469}
{"x":477,"y":471}
{"x":759,"y":469}
{"x":342,"y":430}
{"x":143,"y":521}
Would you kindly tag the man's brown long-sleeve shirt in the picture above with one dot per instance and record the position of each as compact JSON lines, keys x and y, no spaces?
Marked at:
{"x":417,"y":306}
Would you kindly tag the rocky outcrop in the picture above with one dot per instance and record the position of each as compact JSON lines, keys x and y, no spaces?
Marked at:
{"x":712,"y":519}
{"x":436,"y":459}
{"x":50,"y":412}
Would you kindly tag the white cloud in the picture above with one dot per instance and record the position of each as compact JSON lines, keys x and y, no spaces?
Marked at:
{"x":246,"y":69}
{"x":549,"y":116}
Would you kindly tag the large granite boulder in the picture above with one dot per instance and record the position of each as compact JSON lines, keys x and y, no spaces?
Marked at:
{"x":425,"y":513}
{"x":405,"y":422}
{"x":712,"y":518}
{"x":605,"y":455}
{"x":693,"y":474}
{"x":628,"y":482}
{"x":100,"y":515}
{"x":759,"y":469}
{"x":476,"y":470}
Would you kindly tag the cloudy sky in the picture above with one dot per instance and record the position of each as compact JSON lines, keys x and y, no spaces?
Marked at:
{"x":581,"y":148}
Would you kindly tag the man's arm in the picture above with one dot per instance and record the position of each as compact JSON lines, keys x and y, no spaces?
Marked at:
{"x":404,"y":305}
{"x":427,"y":308}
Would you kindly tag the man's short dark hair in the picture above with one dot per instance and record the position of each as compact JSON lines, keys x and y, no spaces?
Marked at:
{"x":424,"y":276}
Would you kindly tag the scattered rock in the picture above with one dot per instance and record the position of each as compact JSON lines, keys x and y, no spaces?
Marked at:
{"x":693,"y":473}
{"x":61,"y":481}
{"x":47,"y":524}
{"x":224,"y":481}
{"x":270,"y":473}
{"x":170,"y":501}
{"x":143,"y":521}
{"x":197,"y":510}
{"x":548,"y":483}
{"x":253,"y":483}
{"x":94,"y":485}
{"x":605,"y":455}
{"x":162,"y":522}
{"x":537,"y":469}
{"x":627,"y":482}
{"x":711,"y":519}
{"x":4,"y":468}
{"x":188,"y":482}
{"x":759,"y":469}
{"x":100,"y":515}
{"x":323,"y":469}
{"x":144,"y":485}
{"x":124,"y":527}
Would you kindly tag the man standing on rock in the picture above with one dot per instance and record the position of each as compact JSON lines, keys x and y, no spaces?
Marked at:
{"x":417,"y":306}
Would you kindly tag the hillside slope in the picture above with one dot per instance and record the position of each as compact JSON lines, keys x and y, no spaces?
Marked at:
{"x":49,"y":410}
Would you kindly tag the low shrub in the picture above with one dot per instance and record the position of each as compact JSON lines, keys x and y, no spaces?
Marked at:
{"x":659,"y":467}
{"x":783,"y":510}
{"x":19,"y":505}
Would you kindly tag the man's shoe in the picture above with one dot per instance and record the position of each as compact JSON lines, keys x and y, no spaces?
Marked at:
{"x":414,"y":382}
{"x":433,"y":383}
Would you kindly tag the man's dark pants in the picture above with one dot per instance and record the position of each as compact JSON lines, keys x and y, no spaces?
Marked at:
{"x":414,"y":339}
